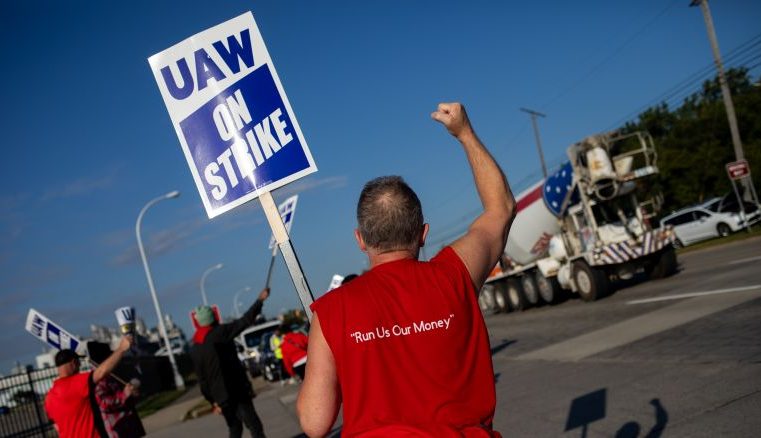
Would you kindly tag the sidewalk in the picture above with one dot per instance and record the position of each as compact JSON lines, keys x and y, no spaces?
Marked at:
{"x":275,"y":404}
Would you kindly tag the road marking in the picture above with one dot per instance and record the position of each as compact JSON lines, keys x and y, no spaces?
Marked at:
{"x":694,"y":294}
{"x":749,"y":259}
{"x":639,"y":327}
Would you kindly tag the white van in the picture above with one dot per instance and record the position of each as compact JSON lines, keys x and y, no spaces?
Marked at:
{"x":251,"y":338}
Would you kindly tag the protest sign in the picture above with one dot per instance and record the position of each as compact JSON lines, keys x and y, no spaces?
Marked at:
{"x":52,"y":334}
{"x":236,"y":126}
{"x":335,"y":282}
{"x":287,"y":210}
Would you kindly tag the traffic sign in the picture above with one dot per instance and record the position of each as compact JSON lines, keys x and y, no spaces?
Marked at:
{"x":738,"y":169}
{"x":236,"y":126}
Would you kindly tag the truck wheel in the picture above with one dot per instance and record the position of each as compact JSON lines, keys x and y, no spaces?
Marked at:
{"x":723,"y":230}
{"x":665,"y":266}
{"x":529,"y":289}
{"x":591,"y":283}
{"x":515,"y":295}
{"x":486,"y":298}
{"x":549,"y":288}
{"x":500,"y":297}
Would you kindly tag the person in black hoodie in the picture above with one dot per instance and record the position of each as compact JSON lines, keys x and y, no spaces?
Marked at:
{"x":221,"y":376}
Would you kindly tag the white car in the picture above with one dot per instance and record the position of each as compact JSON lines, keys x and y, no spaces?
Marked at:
{"x":706,"y":221}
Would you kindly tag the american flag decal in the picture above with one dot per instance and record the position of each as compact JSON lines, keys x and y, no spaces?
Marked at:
{"x":556,"y":188}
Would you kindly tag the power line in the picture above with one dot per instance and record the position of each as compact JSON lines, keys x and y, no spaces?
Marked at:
{"x":698,"y":76}
{"x":608,"y":58}
{"x":676,"y":97}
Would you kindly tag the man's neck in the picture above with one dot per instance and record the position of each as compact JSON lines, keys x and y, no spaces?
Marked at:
{"x":392,"y":256}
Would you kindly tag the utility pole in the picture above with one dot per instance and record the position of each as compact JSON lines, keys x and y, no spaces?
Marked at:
{"x":730,"y":107}
{"x":533,"y":115}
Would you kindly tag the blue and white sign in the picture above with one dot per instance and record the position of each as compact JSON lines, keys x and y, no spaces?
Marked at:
{"x":287,"y":210}
{"x":51,"y":333}
{"x":236,"y":126}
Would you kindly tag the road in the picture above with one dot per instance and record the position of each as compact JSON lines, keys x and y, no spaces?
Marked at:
{"x":674,"y":357}
{"x":700,"y":357}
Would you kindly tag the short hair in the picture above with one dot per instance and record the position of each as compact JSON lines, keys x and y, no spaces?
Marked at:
{"x":389,"y":214}
{"x":65,"y":356}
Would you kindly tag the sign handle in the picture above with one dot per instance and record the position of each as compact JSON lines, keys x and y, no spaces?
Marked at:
{"x":286,"y":249}
{"x":96,"y":365}
{"x":269,"y":270}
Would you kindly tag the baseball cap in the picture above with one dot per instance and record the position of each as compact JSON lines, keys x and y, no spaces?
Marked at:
{"x":65,"y":356}
{"x":204,"y":316}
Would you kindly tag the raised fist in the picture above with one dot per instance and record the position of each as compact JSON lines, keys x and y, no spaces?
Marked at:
{"x":454,"y":118}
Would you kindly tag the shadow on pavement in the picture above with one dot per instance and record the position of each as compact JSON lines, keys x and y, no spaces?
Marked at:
{"x":501,"y":346}
{"x":592,"y":407}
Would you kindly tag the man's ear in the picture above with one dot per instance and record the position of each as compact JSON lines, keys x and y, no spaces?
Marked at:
{"x":360,"y":241}
{"x":423,"y":235}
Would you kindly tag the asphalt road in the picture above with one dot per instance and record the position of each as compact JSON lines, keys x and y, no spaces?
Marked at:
{"x":681,"y":367}
{"x":679,"y":357}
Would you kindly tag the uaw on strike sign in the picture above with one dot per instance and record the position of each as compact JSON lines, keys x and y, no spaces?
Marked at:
{"x":236,"y":126}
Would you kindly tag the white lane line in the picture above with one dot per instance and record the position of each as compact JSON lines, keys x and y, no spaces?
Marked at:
{"x":639,"y":327}
{"x":749,"y":259}
{"x":694,"y":294}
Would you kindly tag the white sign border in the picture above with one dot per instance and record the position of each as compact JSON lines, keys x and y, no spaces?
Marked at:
{"x":212,"y":212}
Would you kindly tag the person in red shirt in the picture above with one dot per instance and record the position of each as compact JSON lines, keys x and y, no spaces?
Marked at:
{"x":404,"y":346}
{"x":67,"y":403}
{"x":294,"y":348}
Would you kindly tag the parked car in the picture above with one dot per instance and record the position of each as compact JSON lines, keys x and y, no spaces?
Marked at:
{"x":708,"y":220}
{"x":728,"y":204}
{"x":251,"y":340}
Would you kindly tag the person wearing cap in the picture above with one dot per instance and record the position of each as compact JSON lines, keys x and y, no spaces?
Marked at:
{"x":221,"y":376}
{"x":68,"y":401}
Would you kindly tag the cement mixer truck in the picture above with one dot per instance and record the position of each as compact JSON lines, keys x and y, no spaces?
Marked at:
{"x":584,"y":227}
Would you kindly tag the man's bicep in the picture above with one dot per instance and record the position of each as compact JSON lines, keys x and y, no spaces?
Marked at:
{"x":480,"y":248}
{"x":320,"y":396}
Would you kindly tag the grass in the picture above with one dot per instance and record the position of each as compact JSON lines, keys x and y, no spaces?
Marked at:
{"x":740,"y":235}
{"x":157,"y":401}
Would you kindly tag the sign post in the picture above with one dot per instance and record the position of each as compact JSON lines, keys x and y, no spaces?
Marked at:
{"x":738,"y":171}
{"x":238,"y":132}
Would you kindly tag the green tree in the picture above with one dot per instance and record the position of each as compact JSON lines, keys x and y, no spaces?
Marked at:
{"x":694,"y":142}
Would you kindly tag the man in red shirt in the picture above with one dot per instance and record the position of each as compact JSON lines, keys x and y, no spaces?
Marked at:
{"x":404,"y":346}
{"x":67,"y":403}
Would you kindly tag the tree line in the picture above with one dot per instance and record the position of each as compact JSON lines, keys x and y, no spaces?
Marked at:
{"x":694,"y":142}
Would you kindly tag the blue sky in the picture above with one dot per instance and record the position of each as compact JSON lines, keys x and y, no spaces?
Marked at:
{"x":88,"y":140}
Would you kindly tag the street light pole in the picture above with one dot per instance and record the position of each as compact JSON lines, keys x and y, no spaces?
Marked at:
{"x":178,"y":382}
{"x":725,"y":93}
{"x":203,"y":281}
{"x":533,"y":115}
{"x":235,"y":300}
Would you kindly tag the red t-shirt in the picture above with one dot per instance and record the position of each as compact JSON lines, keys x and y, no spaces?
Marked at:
{"x":294,"y":348}
{"x":411,"y":350}
{"x":68,"y":405}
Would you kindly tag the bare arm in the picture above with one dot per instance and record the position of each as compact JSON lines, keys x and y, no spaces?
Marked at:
{"x":231,"y":330}
{"x":483,"y":244}
{"x":320,"y":395}
{"x":109,"y":364}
